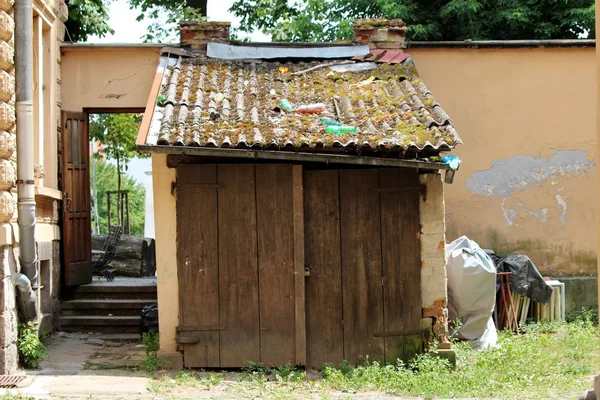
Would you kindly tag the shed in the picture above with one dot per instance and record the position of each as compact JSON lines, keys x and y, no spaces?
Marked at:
{"x":277,"y":241}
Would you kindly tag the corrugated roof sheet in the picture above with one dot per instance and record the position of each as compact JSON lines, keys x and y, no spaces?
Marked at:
{"x":389,"y":105}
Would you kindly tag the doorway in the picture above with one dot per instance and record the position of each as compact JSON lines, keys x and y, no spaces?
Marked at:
{"x":81,"y":199}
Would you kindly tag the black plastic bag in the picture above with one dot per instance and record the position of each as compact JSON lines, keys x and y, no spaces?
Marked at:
{"x":150,"y":318}
{"x":525,"y":279}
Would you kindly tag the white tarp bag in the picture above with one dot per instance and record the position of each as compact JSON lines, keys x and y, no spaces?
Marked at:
{"x":471,"y":292}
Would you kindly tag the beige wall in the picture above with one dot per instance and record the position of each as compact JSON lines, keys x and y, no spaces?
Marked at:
{"x":528,"y":178}
{"x":107,"y":77}
{"x":165,"y":219}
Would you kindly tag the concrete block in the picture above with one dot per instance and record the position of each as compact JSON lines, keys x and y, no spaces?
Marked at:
{"x":5,"y":265}
{"x":171,"y":360}
{"x":9,"y":360}
{"x":8,"y":328}
{"x":581,"y":292}
{"x":433,"y":287}
{"x":7,"y":294}
{"x":427,"y":323}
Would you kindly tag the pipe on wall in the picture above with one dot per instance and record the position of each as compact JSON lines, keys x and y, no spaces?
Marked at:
{"x":27,"y":298}
{"x":25,"y":172}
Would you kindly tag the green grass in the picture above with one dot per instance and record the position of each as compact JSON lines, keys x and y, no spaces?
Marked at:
{"x":549,"y":360}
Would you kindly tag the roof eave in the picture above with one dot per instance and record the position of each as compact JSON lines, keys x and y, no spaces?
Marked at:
{"x":152,"y":99}
{"x":291,"y":156}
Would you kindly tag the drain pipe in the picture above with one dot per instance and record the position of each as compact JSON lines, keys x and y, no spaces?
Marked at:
{"x":25,"y":172}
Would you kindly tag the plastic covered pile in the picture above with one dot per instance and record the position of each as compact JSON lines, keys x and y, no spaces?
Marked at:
{"x":150,"y":318}
{"x":471,"y":292}
{"x":525,"y":278}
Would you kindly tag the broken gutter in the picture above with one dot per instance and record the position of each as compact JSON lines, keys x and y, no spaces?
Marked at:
{"x":292,"y":156}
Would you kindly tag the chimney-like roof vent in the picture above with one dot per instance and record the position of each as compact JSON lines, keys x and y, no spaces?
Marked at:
{"x":196,"y":34}
{"x":380,"y":33}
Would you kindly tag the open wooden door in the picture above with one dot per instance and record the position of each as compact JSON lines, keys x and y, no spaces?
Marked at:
{"x":76,"y":228}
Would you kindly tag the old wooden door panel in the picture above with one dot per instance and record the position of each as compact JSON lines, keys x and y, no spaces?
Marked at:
{"x":361,"y":261}
{"x":238,"y":271}
{"x":76,"y":228}
{"x":324,"y":329}
{"x":400,"y":229}
{"x":197,"y":257}
{"x":362,"y":248}
{"x":275,"y":228}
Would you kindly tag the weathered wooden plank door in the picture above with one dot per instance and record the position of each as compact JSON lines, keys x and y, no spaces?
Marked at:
{"x":237,"y":265}
{"x":76,"y":222}
{"x":363,"y":252}
{"x":324,"y":314}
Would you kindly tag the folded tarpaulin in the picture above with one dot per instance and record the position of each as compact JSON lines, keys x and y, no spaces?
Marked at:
{"x":471,"y":292}
{"x":525,"y":278}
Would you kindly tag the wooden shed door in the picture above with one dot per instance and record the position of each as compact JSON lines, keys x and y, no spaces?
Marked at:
{"x":240,"y":296}
{"x":76,"y":224}
{"x":363,"y":295}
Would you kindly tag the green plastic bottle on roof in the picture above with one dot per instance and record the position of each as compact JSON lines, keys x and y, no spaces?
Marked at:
{"x":329,"y":121}
{"x":340,"y":129}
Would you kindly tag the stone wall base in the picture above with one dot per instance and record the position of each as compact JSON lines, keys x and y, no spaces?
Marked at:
{"x":171,"y":360}
{"x":9,"y":317}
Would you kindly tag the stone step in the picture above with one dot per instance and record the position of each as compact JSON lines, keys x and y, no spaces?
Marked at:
{"x":117,"y":337}
{"x":95,"y":291}
{"x":116,"y":307}
{"x":100,"y":324}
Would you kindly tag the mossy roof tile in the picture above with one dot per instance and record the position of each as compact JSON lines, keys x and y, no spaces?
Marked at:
{"x":215,"y":103}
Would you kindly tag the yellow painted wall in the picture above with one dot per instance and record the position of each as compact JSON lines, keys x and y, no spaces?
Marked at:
{"x":165,"y":220}
{"x":528,"y":178}
{"x":527,"y":182}
{"x":113,"y":77}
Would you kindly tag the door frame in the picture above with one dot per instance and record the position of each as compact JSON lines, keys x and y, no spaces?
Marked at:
{"x":86,"y":111}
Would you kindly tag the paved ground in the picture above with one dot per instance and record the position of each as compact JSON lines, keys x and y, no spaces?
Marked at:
{"x":90,"y":367}
{"x":76,"y":368}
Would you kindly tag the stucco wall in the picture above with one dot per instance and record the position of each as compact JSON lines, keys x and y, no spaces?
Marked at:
{"x":165,"y":217}
{"x":528,"y":178}
{"x":107,"y":77}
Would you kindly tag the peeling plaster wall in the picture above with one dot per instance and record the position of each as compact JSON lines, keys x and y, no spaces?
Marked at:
{"x":528,"y":178}
{"x":107,"y":77}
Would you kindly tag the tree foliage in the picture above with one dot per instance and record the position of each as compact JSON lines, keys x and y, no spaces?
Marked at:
{"x":106,"y":180}
{"x":90,"y":17}
{"x":116,"y":133}
{"x":86,"y":18}
{"x":329,"y":20}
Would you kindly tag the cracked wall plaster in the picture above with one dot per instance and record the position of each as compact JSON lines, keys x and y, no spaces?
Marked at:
{"x":523,"y":170}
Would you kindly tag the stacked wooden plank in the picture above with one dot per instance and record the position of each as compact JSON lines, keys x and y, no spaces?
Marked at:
{"x":555,"y":309}
{"x":525,"y":308}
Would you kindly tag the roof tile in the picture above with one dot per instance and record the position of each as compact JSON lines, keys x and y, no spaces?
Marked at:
{"x":217,"y":103}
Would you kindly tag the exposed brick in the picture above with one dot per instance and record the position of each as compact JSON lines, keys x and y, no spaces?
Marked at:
{"x":380,"y":33}
{"x":197,"y":34}
{"x":433,"y":312}
{"x":440,"y":303}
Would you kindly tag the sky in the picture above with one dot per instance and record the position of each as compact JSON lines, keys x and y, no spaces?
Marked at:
{"x":128,"y":30}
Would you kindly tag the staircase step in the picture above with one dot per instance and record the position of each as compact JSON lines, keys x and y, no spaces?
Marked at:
{"x":118,"y":337}
{"x":99,"y":320}
{"x":95,"y":291}
{"x":122,"y":307}
{"x":100,"y":324}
